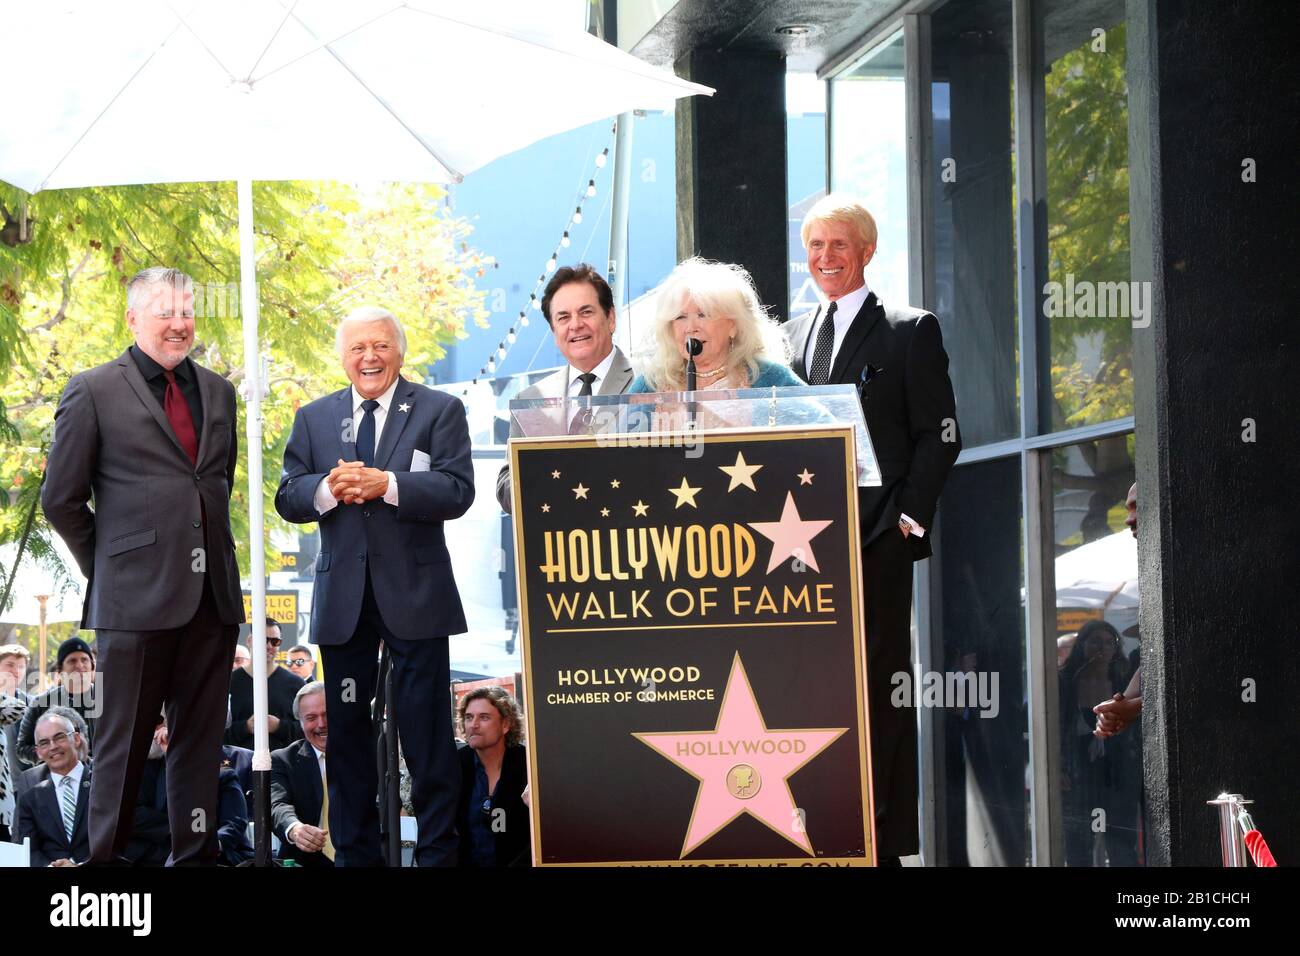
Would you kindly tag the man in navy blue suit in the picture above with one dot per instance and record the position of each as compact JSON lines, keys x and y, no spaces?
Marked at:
{"x":381,"y":465}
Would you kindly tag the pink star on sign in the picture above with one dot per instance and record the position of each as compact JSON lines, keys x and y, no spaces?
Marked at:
{"x":791,"y":537}
{"x":742,"y":766}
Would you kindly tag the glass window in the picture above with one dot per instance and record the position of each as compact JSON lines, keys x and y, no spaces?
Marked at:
{"x":1096,"y":595}
{"x":982,"y":754}
{"x":971,"y":98}
{"x":869,"y":158}
{"x":1089,"y":304}
{"x":805,"y":127}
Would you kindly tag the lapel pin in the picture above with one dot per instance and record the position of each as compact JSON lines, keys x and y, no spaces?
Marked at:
{"x":403,"y":407}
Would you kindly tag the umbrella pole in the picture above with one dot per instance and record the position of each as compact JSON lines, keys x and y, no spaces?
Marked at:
{"x":257,"y":544}
{"x":622,"y":187}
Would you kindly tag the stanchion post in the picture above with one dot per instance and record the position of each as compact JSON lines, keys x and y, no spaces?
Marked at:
{"x":1232,"y":840}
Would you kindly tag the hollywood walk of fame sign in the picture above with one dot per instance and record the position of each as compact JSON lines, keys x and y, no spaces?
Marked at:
{"x":692,"y":647}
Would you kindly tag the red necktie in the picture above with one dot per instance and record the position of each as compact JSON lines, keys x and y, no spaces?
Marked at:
{"x":178,"y":413}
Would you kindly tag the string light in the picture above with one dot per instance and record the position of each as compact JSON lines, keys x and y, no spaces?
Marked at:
{"x":552,"y":264}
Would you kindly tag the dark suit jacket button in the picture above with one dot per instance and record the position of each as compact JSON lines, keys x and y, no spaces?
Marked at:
{"x":361,"y":557}
{"x":197,"y":524}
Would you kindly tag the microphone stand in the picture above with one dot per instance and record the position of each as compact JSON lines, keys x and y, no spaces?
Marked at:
{"x":693,"y":348}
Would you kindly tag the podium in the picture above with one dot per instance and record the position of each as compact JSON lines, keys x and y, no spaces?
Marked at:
{"x":690,"y":597}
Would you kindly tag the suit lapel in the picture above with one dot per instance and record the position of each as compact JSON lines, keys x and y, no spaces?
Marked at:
{"x":208,"y":401}
{"x":48,"y":806}
{"x":620,"y":375}
{"x":310,"y":777}
{"x":870,"y":313}
{"x":395,"y":422}
{"x":141,"y":388}
{"x":83,"y":807}
{"x":347,"y":427}
{"x":806,"y":337}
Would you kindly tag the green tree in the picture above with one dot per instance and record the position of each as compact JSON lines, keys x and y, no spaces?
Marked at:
{"x":1088,"y":223}
{"x":322,"y":249}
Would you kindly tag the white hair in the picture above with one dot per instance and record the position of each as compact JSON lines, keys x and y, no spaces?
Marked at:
{"x":720,"y":289}
{"x":143,"y":282}
{"x":370,"y":313}
{"x":306,"y":690}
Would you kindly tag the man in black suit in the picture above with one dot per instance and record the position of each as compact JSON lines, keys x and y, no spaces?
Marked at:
{"x":150,"y":437}
{"x":299,"y":814}
{"x":381,"y":465}
{"x":52,"y":812}
{"x":895,"y":357}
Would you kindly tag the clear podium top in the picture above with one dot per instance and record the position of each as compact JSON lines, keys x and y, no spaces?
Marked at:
{"x":703,"y":411}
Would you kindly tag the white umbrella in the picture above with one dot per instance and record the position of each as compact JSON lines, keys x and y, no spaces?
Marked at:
{"x":1102,"y":575}
{"x":199,"y":90}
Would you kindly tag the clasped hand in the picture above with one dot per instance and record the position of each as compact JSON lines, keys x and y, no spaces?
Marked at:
{"x":352,"y":482}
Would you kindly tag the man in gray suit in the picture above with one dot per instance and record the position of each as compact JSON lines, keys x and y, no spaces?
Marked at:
{"x":150,"y":437}
{"x":579,"y":307}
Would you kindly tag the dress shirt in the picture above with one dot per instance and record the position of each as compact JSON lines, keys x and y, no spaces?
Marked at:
{"x":325,"y":501}
{"x":601,"y":371}
{"x":846,"y":310}
{"x":57,"y":778}
{"x":187,"y":380}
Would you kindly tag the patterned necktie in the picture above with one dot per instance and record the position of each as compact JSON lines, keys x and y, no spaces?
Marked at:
{"x":366,"y":434}
{"x":820,"y":371}
{"x":178,"y":413}
{"x":69,"y":804}
{"x":582,"y":421}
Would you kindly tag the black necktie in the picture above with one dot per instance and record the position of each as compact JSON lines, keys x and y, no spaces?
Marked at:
{"x":820,"y":371}
{"x":366,"y":434}
{"x":582,"y":421}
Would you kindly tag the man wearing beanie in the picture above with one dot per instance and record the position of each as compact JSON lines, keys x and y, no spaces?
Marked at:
{"x":75,"y":689}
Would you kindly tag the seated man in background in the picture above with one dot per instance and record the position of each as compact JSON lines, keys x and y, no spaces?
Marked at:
{"x":281,"y":686}
{"x":302,"y":661}
{"x":491,"y":817}
{"x":75,"y":669}
{"x":233,"y":846}
{"x":299,"y":810}
{"x":52,"y":812}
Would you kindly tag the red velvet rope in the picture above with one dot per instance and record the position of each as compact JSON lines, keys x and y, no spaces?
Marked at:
{"x":1259,"y":851}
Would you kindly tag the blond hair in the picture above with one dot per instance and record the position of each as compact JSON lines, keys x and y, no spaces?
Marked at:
{"x":841,"y":207}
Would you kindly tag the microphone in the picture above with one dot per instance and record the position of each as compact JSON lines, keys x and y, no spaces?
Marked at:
{"x":693,"y":348}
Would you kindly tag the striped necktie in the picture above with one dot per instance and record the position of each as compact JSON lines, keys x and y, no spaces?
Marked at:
{"x":69,"y":804}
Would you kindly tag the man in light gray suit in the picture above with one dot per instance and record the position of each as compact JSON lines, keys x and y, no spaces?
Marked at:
{"x":150,"y":438}
{"x":579,"y":307}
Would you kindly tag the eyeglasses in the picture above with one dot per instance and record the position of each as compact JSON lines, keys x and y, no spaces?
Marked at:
{"x":274,"y":641}
{"x":51,"y":741}
{"x":300,"y":661}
